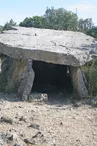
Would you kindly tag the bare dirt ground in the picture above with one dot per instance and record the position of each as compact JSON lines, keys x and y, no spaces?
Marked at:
{"x":47,"y":124}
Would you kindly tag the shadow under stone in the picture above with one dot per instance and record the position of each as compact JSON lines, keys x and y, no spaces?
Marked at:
{"x":52,"y":79}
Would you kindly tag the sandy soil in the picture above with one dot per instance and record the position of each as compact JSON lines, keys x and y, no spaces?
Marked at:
{"x":46,"y":124}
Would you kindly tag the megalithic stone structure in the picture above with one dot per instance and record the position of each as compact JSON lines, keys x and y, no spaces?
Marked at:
{"x":21,"y":47}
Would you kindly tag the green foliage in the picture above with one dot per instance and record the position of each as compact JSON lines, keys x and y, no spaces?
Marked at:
{"x":85,"y":24}
{"x":93,"y":81}
{"x":90,"y":70}
{"x":92,"y":32}
{"x":53,"y":19}
{"x":35,"y":21}
{"x":60,"y":19}
{"x":27,"y":22}
{"x":8,"y":25}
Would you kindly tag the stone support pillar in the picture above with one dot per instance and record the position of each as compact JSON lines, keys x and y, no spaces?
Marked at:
{"x":78,"y":82}
{"x":27,"y":82}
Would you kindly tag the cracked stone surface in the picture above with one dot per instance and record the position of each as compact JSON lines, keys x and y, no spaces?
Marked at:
{"x":58,"y":47}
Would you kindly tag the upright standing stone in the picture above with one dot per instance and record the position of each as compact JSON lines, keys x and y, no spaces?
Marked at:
{"x":78,"y":82}
{"x":12,"y":70}
{"x":26,"y":82}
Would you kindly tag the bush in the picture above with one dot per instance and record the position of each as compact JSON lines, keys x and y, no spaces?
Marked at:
{"x":9,"y":25}
{"x":90,"y":70}
{"x":92,"y":32}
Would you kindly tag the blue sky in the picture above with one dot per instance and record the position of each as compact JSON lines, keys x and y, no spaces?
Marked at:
{"x":19,"y":9}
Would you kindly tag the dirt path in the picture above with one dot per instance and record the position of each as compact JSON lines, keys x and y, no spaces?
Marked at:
{"x":33,"y":124}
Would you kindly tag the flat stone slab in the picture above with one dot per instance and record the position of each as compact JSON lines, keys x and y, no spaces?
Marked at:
{"x":58,"y":47}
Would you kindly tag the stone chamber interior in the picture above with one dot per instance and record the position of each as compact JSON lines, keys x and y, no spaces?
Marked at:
{"x":51,"y":78}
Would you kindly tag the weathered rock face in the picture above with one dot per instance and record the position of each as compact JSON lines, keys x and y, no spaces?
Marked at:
{"x":18,"y":75}
{"x":58,"y":47}
{"x":13,"y":71}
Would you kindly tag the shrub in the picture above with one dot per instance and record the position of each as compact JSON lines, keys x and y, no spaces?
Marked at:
{"x":90,"y":70}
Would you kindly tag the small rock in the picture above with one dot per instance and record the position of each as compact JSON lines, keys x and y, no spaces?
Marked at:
{"x":22,"y":119}
{"x":20,"y":106}
{"x":35,"y":126}
{"x":6,"y":119}
{"x":20,"y":144}
{"x":15,"y":136}
{"x":35,"y":34}
{"x":1,"y":141}
{"x":38,"y":134}
{"x":29,"y":141}
{"x":77,"y":104}
{"x":9,"y":136}
{"x":38,"y":97}
{"x":61,"y":123}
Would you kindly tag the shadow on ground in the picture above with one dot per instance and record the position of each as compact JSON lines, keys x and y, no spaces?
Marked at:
{"x":9,"y":97}
{"x":58,"y":99}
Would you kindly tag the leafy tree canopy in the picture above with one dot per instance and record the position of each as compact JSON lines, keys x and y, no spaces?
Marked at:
{"x":53,"y":19}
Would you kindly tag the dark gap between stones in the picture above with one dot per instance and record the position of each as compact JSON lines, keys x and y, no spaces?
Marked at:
{"x":51,"y":78}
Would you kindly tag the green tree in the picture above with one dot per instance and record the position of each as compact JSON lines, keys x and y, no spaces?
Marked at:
{"x":92,"y":32}
{"x":8,"y":25}
{"x":12,"y":23}
{"x":60,"y":19}
{"x":53,"y":19}
{"x":28,"y":22}
{"x":35,"y":21}
{"x":85,"y":24}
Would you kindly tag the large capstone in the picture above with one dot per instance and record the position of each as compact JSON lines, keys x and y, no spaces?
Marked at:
{"x":57,"y":47}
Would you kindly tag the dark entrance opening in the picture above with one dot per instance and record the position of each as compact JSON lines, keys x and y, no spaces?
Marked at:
{"x":51,"y":78}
